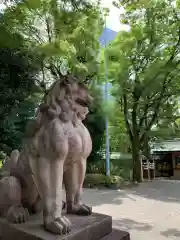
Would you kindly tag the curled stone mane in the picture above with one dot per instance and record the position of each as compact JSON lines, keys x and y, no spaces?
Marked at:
{"x":59,"y":103}
{"x":60,"y":100}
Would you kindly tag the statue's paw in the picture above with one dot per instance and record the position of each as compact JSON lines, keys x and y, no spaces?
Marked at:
{"x":17,"y":214}
{"x":66,"y":224}
{"x":84,"y":210}
{"x":60,"y":226}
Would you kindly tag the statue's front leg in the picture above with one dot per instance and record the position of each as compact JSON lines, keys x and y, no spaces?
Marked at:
{"x":74,"y":178}
{"x":49,"y":182}
{"x":82,"y":209}
{"x":62,"y":222}
{"x":44,"y":184}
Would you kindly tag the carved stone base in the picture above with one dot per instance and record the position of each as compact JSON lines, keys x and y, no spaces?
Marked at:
{"x":94,"y":227}
{"x":117,"y":235}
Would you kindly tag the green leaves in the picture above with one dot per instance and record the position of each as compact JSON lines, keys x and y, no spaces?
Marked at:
{"x":57,"y":48}
{"x":18,"y":70}
{"x":144,"y":65}
{"x":32,"y":4}
{"x":44,"y":39}
{"x":96,"y":123}
{"x":57,"y":29}
{"x":119,"y":140}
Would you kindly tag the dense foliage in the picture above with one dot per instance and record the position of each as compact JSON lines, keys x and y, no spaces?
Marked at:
{"x":65,"y":35}
{"x":41,"y":40}
{"x":144,"y":64}
{"x":95,"y":123}
{"x":18,"y":71}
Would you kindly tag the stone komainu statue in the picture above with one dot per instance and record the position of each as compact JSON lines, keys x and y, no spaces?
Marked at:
{"x":55,"y":150}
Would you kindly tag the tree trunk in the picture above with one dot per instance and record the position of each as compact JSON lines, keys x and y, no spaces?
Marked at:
{"x":134,"y":135}
{"x":145,"y":143}
{"x":145,"y":146}
{"x":136,"y":159}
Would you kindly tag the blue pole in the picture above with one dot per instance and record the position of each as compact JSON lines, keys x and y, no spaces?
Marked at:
{"x":107,"y":145}
{"x":106,"y":120}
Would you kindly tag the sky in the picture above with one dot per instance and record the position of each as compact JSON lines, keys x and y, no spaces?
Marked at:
{"x":113,"y":20}
{"x":1,"y":6}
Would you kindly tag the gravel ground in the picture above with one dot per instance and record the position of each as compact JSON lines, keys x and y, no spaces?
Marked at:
{"x":150,"y":211}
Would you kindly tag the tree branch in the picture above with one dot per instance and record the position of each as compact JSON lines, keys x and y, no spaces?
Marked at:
{"x":55,"y":71}
{"x":166,"y":64}
{"x":142,"y":119}
{"x":150,"y":46}
{"x":159,"y":98}
{"x":156,"y":110}
{"x":48,"y":29}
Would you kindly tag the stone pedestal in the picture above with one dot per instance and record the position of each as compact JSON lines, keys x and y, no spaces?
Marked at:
{"x":117,"y":235}
{"x":94,"y":227}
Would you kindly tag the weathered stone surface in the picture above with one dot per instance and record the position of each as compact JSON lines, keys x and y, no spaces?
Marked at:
{"x":117,"y":235}
{"x":60,"y":140}
{"x":93,"y":227}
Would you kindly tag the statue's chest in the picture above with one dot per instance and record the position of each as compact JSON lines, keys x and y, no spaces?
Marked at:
{"x":84,"y":134}
{"x":79,"y":140}
{"x":74,"y":139}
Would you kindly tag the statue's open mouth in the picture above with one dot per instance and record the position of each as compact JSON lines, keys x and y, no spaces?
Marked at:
{"x":82,"y":102}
